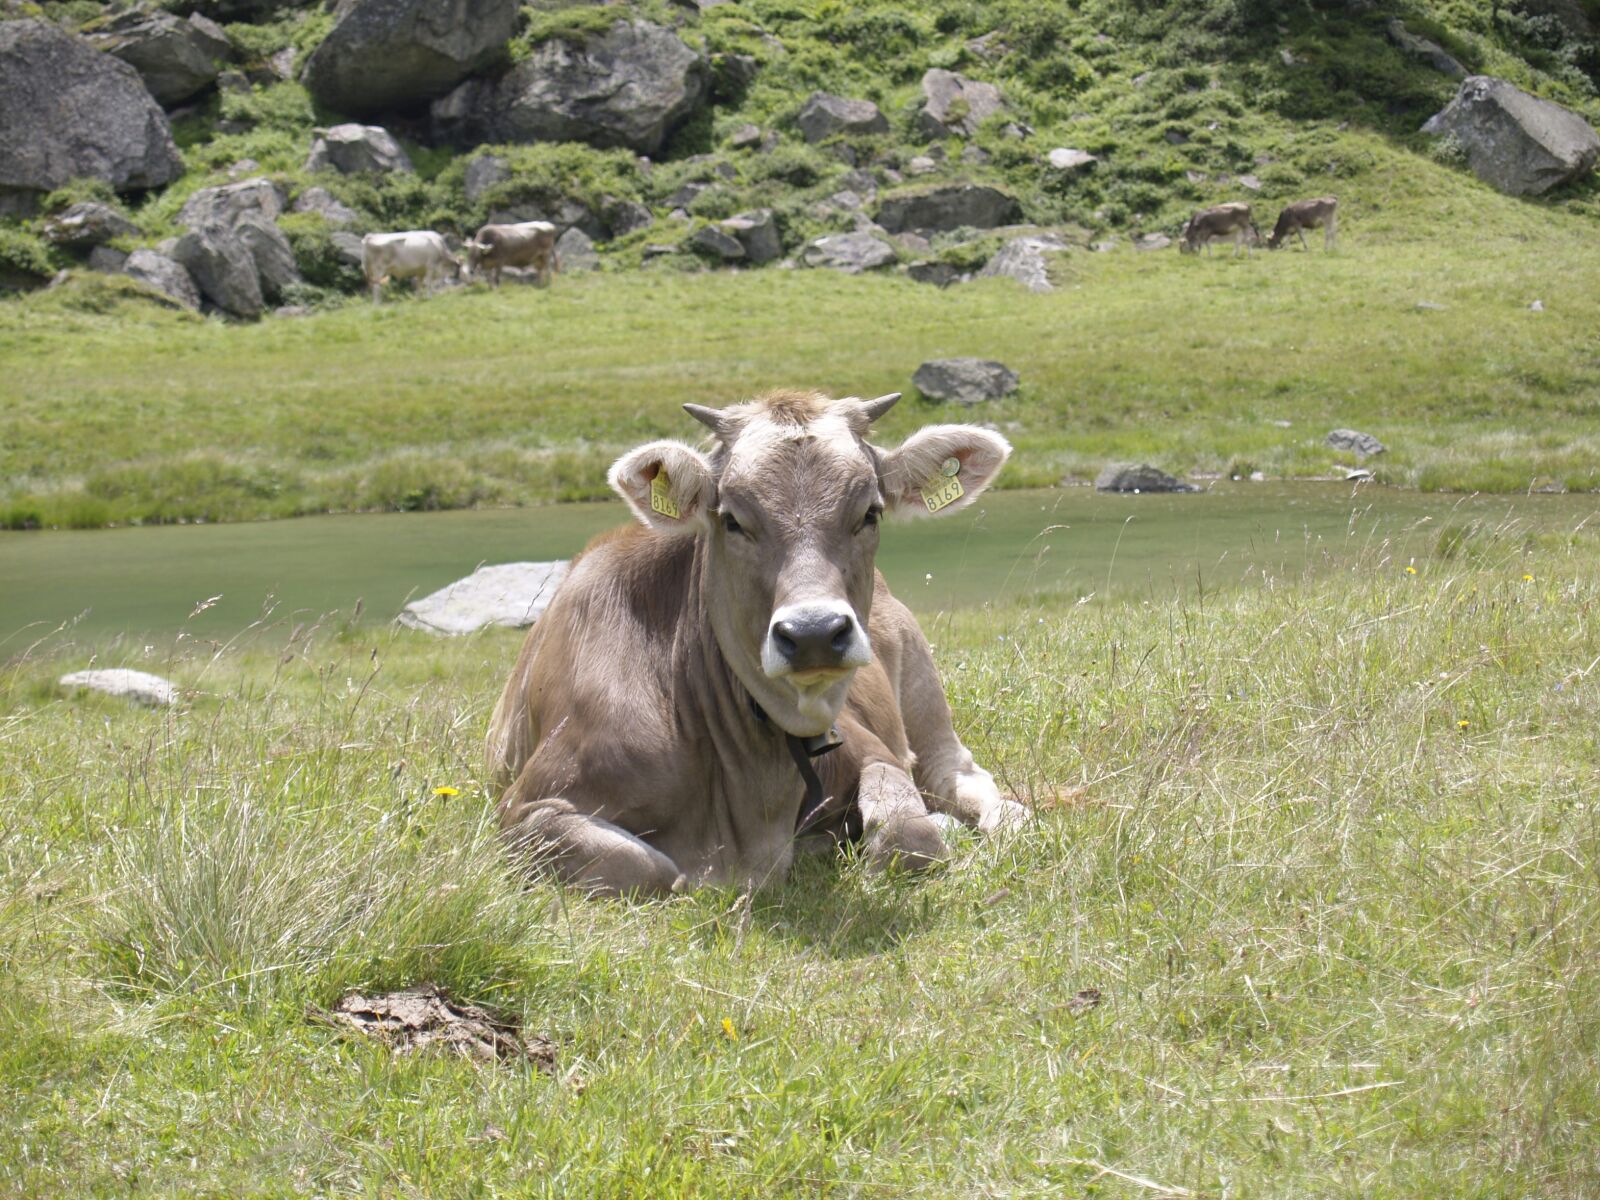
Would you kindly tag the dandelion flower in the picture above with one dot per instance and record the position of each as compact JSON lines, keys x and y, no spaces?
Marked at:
{"x":1462,"y":724}
{"x":1411,"y":570}
{"x":728,"y":1030}
{"x":1527,"y":579}
{"x":447,"y":790}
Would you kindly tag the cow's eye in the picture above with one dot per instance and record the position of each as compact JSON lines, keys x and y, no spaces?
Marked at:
{"x":731,"y":523}
{"x":869,"y":519}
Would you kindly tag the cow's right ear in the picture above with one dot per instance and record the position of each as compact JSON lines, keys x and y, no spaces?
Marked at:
{"x":668,"y":485}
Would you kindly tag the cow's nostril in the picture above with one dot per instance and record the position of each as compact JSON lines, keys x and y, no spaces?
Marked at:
{"x":786,"y":644}
{"x":841,"y":634}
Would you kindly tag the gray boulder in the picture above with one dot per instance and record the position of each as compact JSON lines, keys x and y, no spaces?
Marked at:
{"x":622,"y":217}
{"x":325,"y":205}
{"x":87,"y":224}
{"x":348,"y":247}
{"x":221,"y":207}
{"x":176,"y":57}
{"x":851,"y":253}
{"x":631,"y":87}
{"x":484,"y":172}
{"x":1420,"y":47}
{"x":223,"y":268}
{"x":272,"y":254}
{"x":964,"y":380}
{"x":1025,"y":260}
{"x":711,"y":241}
{"x":506,"y":594}
{"x":165,"y":275}
{"x":124,"y":684}
{"x":1128,"y":477}
{"x":824,"y":115}
{"x":1069,"y":161}
{"x":575,"y":249}
{"x":1517,"y":143}
{"x":757,"y":232}
{"x":357,"y":149}
{"x":955,"y":105}
{"x":69,"y":112}
{"x":950,"y":207}
{"x":940,"y":274}
{"x":106,"y":261}
{"x":396,"y":55}
{"x":1363,"y":445}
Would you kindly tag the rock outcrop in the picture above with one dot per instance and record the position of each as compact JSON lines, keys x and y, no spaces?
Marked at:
{"x":165,"y":275}
{"x":223,"y":268}
{"x":87,"y":224}
{"x":508,"y":594}
{"x":1517,"y":143}
{"x":851,"y":253}
{"x":222,"y":206}
{"x":71,"y":112}
{"x":1025,"y":260}
{"x":825,"y":115}
{"x":964,"y":380}
{"x":757,"y":234}
{"x":1362,"y":445}
{"x":955,"y":105}
{"x":1142,"y":477}
{"x":396,"y":55}
{"x":1431,"y":53}
{"x":954,"y":207}
{"x":357,"y":149}
{"x":631,"y":86}
{"x":176,"y":57}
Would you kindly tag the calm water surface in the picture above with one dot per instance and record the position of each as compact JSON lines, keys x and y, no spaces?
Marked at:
{"x":1062,"y":543}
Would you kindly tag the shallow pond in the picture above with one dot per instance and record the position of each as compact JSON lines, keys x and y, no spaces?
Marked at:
{"x":1064,"y":543}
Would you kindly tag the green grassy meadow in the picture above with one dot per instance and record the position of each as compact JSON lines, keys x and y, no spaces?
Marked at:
{"x":1325,"y":849}
{"x":119,"y":411}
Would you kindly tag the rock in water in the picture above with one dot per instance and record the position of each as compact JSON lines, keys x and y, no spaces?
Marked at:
{"x":356,"y":149}
{"x":125,"y":684}
{"x":1364,"y":445}
{"x":1128,"y":477}
{"x":69,"y":112}
{"x":965,"y":380}
{"x":510,"y":594}
{"x":825,"y":115}
{"x":396,"y":55}
{"x":631,"y":86}
{"x":1515,"y":142}
{"x":955,"y":105}
{"x":952,"y":207}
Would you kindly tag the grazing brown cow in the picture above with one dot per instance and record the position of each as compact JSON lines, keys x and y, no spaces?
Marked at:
{"x":1225,"y":220}
{"x":527,"y":244}
{"x":1307,"y":214}
{"x":658,"y":729}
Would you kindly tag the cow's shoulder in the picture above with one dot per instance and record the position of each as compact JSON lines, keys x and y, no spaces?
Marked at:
{"x":633,"y":581}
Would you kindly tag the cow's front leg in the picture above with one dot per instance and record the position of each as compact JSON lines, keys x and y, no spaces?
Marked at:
{"x":587,"y":851}
{"x":895,"y":826}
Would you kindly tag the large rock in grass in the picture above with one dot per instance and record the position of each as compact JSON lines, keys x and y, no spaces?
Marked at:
{"x":166,"y":275}
{"x":87,"y":224}
{"x":825,"y":115}
{"x":358,"y":150}
{"x":221,"y":207}
{"x":176,"y":57}
{"x":1128,"y":477}
{"x":276,"y":270}
{"x":69,"y":112}
{"x":140,"y":686}
{"x":508,"y":594}
{"x":965,"y":381}
{"x":757,"y":232}
{"x":959,"y":205}
{"x":1026,"y":259}
{"x":1363,"y":445}
{"x":1431,"y":53}
{"x":631,"y":86}
{"x":223,"y":268}
{"x":1517,"y":143}
{"x":851,"y":253}
{"x":396,"y":55}
{"x":955,"y":105}
{"x":327,"y":206}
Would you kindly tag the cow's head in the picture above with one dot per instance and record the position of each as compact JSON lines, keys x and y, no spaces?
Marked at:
{"x":787,"y":505}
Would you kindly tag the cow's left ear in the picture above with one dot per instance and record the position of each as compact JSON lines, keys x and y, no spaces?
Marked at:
{"x":941,"y":468}
{"x":668,"y":485}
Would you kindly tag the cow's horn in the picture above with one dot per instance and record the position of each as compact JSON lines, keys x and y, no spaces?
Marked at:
{"x":876,"y":408}
{"x":709,"y":417}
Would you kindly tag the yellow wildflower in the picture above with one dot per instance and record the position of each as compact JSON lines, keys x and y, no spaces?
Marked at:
{"x":1462,"y":724}
{"x":1527,"y":579}
{"x":1411,"y":570}
{"x":447,"y":790}
{"x":728,"y":1030}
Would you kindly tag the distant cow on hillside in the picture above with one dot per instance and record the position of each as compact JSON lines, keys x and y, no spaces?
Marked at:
{"x":1307,"y":214}
{"x":526,"y":244}
{"x":1225,"y":220}
{"x":418,"y":254}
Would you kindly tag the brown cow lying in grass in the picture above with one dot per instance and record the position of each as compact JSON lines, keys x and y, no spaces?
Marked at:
{"x":1307,"y":214}
{"x":658,"y":728}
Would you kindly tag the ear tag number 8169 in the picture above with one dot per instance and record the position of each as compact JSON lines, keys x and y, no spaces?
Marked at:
{"x":945,"y":487}
{"x":660,"y":498}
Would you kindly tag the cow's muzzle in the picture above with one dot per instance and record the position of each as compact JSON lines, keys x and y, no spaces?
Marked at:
{"x":814,"y":643}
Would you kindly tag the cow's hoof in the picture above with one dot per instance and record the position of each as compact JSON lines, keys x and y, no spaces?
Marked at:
{"x":906,"y":844}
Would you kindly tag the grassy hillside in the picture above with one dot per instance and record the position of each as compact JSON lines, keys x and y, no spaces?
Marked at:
{"x":1309,"y":909}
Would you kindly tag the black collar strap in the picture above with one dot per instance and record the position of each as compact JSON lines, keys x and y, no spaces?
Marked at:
{"x":803,"y":750}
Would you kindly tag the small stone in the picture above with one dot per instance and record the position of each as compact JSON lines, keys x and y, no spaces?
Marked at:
{"x":1069,"y":161}
{"x":965,"y":381}
{"x":1251,"y":182}
{"x":1128,"y":477}
{"x":506,"y":594}
{"x":125,"y":684}
{"x":1536,"y":306}
{"x":1363,"y":445}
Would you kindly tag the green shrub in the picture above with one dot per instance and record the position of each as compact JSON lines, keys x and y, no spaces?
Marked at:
{"x":24,"y":253}
{"x":319,"y":260}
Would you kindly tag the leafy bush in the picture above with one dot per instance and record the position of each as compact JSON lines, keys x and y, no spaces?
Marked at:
{"x":319,"y":259}
{"x":23,"y":252}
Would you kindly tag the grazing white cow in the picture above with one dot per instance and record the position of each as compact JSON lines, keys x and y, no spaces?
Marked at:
{"x":525,"y":244}
{"x":667,"y":721}
{"x":418,"y":254}
{"x":1225,"y":220}
{"x":1307,"y":214}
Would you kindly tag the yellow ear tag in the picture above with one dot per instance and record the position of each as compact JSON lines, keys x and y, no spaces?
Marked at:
{"x":660,"y":498}
{"x":945,"y":487}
